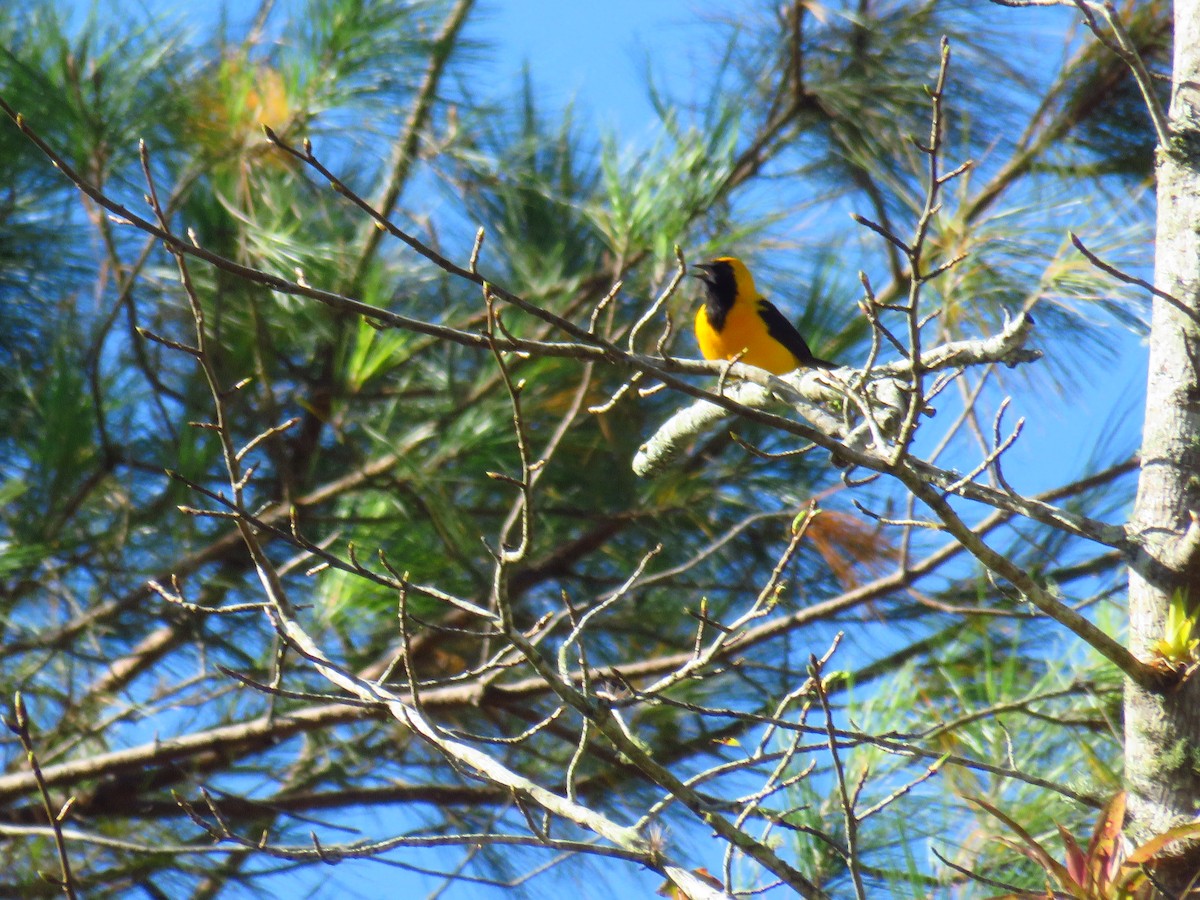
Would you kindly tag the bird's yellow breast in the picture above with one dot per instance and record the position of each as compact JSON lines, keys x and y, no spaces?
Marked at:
{"x":744,"y":330}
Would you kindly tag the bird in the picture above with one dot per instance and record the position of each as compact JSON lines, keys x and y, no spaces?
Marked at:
{"x":735,"y":319}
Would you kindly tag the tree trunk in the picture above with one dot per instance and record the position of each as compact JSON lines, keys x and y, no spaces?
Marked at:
{"x":1162,"y":731}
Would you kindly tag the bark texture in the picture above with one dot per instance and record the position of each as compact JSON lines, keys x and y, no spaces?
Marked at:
{"x":1162,"y":731}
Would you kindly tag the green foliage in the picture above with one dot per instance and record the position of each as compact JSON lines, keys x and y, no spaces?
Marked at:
{"x":1177,"y":646}
{"x":536,"y":222}
{"x":651,"y":196}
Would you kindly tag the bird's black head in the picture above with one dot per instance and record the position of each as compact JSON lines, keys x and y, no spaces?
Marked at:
{"x":720,"y":287}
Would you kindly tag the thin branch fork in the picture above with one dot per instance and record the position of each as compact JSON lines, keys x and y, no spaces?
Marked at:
{"x":219,"y":829}
{"x":19,"y":725}
{"x":579,"y":333}
{"x":816,"y":677}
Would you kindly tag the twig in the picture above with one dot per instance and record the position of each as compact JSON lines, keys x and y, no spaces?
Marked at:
{"x":975,"y":876}
{"x":19,"y":725}
{"x":1141,"y":673}
{"x":915,"y":253}
{"x":930,"y":770}
{"x":175,"y":597}
{"x":1100,"y":264}
{"x":663,"y":297}
{"x":993,"y":457}
{"x":1129,"y":54}
{"x":848,"y":814}
{"x":405,"y":151}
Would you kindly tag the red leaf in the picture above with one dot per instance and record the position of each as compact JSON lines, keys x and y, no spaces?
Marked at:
{"x":1076,"y":861}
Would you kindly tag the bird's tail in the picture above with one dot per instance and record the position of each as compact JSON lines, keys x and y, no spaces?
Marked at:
{"x":815,"y":362}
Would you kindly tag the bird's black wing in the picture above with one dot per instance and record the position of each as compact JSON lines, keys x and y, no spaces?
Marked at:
{"x":785,"y":332}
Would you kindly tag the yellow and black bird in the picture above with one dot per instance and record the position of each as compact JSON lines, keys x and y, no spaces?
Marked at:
{"x":736,"y":319}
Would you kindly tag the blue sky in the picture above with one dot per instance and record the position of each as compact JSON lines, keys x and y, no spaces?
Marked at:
{"x":591,"y":52}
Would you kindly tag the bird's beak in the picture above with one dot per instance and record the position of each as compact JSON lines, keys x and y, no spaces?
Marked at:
{"x":703,"y":271}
